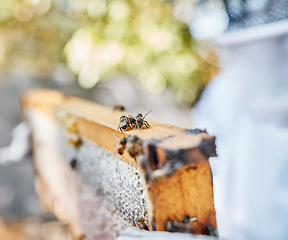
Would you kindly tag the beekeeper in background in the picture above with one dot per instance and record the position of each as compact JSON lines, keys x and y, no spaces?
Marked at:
{"x":246,"y":107}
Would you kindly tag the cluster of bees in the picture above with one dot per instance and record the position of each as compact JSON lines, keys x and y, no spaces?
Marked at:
{"x":128,"y":122}
{"x":132,"y":144}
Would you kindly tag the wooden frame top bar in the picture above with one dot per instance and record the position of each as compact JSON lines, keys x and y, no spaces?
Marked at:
{"x":99,"y":124}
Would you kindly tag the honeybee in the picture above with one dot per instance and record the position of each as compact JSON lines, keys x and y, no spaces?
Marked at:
{"x":211,"y":231}
{"x":122,"y":145}
{"x":134,"y":146}
{"x":141,"y":223}
{"x":140,"y":121}
{"x":119,"y":107}
{"x":73,"y":163}
{"x":126,"y":122}
{"x":183,"y":226}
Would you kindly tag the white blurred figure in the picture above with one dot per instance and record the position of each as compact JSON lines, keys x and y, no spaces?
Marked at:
{"x":246,"y":107}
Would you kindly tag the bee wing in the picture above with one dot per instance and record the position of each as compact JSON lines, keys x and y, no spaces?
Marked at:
{"x":116,"y":136}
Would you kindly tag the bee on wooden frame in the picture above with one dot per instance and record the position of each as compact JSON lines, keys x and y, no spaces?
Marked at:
{"x":140,"y":121}
{"x":133,"y":144}
{"x":119,"y":107}
{"x":122,"y":145}
{"x":126,"y":122}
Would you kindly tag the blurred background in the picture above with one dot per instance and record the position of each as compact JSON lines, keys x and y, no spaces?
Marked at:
{"x":141,"y":54}
{"x":136,"y":53}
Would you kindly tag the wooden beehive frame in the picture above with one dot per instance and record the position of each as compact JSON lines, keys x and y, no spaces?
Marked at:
{"x":174,"y":163}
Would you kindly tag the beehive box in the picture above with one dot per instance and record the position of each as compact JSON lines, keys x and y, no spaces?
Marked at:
{"x":83,"y":180}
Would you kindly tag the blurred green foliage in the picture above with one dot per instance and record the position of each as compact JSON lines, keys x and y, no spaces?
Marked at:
{"x":98,"y":39}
